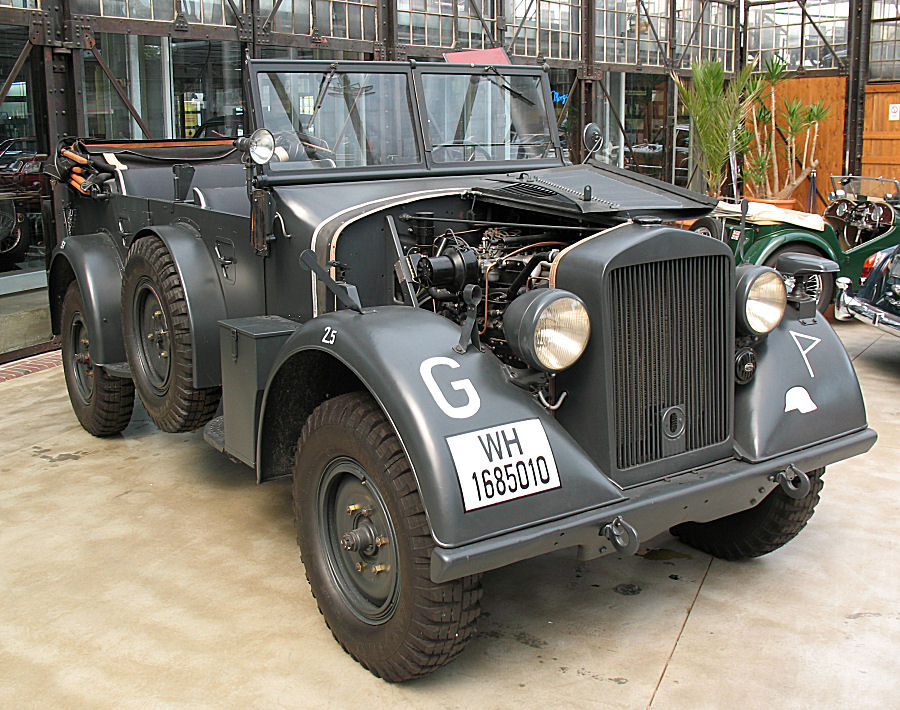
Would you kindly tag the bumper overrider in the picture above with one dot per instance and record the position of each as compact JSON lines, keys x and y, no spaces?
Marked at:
{"x":699,"y":495}
{"x":846,"y":305}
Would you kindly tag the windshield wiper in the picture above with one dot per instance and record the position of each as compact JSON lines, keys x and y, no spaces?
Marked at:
{"x":506,"y":85}
{"x":320,"y":97}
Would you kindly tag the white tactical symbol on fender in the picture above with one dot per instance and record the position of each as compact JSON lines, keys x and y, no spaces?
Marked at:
{"x":473,"y":403}
{"x":797,"y":398}
{"x":804,"y":352}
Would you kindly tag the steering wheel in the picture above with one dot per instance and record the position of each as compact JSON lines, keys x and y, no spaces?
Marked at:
{"x":476,"y":147}
{"x":302,"y":146}
{"x":290,"y":143}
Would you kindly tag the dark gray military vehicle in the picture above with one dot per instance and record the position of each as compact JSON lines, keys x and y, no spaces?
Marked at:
{"x":465,"y":351}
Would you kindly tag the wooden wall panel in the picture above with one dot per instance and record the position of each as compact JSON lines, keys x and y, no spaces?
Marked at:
{"x":881,"y":136}
{"x":830,"y":147}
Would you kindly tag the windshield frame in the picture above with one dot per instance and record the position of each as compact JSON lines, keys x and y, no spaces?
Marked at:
{"x":258,"y":68}
{"x":497,"y":72}
{"x":836,"y":185}
{"x":413,"y":71}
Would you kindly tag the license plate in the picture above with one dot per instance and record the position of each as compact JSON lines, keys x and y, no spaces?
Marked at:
{"x":503,"y":462}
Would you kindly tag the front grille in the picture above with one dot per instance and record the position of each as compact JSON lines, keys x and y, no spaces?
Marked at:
{"x":670,"y":349}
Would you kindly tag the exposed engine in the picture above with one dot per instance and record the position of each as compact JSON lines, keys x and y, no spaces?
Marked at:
{"x":504,"y":261}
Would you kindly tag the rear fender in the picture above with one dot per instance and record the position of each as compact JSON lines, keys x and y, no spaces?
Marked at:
{"x":94,"y":262}
{"x":404,"y":357}
{"x":203,"y":293}
{"x":804,"y":391}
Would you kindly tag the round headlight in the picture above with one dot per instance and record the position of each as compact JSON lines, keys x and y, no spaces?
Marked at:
{"x":547,"y":328}
{"x":261,"y":146}
{"x":761,"y":299}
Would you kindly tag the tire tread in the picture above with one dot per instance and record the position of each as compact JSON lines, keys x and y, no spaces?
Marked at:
{"x":444,"y":615}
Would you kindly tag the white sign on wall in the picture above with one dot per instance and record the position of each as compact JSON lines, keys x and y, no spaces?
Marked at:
{"x":894,"y":112}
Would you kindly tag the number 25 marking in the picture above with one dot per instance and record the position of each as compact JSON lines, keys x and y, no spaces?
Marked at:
{"x":328,"y":337}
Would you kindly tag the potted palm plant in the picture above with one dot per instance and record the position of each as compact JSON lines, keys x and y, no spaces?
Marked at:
{"x":773,"y":139}
{"x":719,"y":110}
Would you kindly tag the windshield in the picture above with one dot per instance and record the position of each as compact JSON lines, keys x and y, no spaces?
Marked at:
{"x":334,"y":119}
{"x":855,"y":186}
{"x":486,"y":116}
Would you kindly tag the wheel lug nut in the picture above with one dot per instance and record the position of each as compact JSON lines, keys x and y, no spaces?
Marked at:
{"x":164,"y":353}
{"x":381,"y":540}
{"x":351,"y":509}
{"x":151,"y":337}
{"x":360,"y":566}
{"x":84,"y":342}
{"x":157,"y":314}
{"x":377,"y":569}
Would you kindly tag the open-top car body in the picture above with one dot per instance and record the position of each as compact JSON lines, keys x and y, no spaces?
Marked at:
{"x":860,"y":220}
{"x":465,"y":351}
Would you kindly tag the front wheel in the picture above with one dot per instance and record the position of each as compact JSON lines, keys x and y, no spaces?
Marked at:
{"x":102,"y":403}
{"x":775,"y":521}
{"x":819,"y":286}
{"x":366,"y":545}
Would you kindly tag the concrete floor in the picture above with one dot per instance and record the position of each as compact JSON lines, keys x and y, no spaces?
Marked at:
{"x":148,"y":571}
{"x":24,"y":320}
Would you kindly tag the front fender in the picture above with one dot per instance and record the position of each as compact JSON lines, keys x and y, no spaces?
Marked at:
{"x":96,"y":265}
{"x":203,"y":294}
{"x":405,"y":359}
{"x":804,"y":392}
{"x":762,"y":249}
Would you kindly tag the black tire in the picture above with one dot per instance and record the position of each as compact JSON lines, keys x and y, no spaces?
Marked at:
{"x":102,"y":403}
{"x":708,"y":226}
{"x":757,"y":531}
{"x":822,"y":285}
{"x":402,"y":625}
{"x":157,"y":333}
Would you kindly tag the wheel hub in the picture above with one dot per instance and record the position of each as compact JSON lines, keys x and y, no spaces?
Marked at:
{"x":153,"y":331}
{"x":82,"y":367}
{"x":355,"y":533}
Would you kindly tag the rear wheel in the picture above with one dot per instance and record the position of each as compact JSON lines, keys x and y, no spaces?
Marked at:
{"x":820,"y":286}
{"x":772,"y":523}
{"x":366,"y":545}
{"x":103,"y":404}
{"x":157,"y":333}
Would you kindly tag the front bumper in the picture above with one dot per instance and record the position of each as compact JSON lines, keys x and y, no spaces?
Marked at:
{"x":864,"y":311}
{"x":700,"y":495}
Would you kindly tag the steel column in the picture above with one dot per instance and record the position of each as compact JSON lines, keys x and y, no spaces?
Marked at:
{"x":858,"y":51}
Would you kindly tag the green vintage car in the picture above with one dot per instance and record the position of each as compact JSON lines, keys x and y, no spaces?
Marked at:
{"x":860,"y":220}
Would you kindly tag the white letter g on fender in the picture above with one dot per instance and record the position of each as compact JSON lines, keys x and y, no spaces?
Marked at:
{"x":463,"y":412}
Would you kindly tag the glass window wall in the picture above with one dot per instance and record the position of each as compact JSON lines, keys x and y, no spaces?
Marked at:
{"x":705,"y":31}
{"x":884,"y":47}
{"x":24,"y":318}
{"x":182,"y":88}
{"x":543,"y":28}
{"x":802,"y":40}
{"x":444,"y":23}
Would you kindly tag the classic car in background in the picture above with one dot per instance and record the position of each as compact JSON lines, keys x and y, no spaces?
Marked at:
{"x":22,"y":186}
{"x":859,"y":221}
{"x":878,"y":301}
